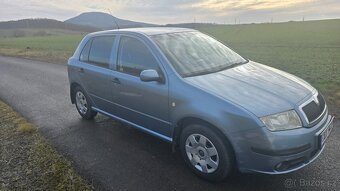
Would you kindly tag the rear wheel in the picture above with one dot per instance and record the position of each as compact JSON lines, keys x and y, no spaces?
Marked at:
{"x":206,"y":153}
{"x":83,"y":104}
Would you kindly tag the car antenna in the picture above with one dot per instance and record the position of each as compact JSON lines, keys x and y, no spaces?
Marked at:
{"x":114,"y":18}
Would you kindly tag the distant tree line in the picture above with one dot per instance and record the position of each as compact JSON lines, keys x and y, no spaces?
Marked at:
{"x":44,"y":23}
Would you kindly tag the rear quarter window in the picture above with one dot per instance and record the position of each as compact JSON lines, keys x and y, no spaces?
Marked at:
{"x":84,"y":55}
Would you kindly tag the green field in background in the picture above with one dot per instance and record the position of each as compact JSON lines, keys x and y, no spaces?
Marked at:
{"x":310,"y":50}
{"x":54,"y":48}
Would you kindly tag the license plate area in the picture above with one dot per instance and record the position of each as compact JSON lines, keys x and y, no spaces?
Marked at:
{"x":325,"y":133}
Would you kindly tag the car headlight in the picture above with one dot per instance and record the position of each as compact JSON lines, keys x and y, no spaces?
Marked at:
{"x":282,"y":121}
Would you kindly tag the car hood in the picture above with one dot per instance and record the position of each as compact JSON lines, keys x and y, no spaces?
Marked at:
{"x":260,"y":89}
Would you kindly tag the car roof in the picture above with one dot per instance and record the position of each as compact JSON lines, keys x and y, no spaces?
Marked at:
{"x":149,"y":31}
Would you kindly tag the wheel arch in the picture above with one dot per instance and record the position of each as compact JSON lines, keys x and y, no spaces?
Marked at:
{"x":72,"y":87}
{"x":182,"y":123}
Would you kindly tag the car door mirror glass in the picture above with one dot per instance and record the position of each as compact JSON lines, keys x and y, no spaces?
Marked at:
{"x":149,"y":75}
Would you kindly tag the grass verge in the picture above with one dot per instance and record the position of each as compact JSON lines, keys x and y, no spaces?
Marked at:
{"x":36,"y":54}
{"x":28,"y":161}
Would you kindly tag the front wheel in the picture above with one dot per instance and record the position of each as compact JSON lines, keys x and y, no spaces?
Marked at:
{"x":206,"y":153}
{"x":83,"y":104}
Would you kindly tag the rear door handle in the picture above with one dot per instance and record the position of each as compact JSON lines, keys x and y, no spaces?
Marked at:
{"x":81,"y":70}
{"x":116,"y":81}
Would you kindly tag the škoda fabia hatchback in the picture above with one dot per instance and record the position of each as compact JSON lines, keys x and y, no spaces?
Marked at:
{"x":222,"y":111}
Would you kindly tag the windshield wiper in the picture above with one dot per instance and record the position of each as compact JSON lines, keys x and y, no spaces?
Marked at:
{"x":233,"y":65}
{"x":240,"y":63}
{"x":216,"y":70}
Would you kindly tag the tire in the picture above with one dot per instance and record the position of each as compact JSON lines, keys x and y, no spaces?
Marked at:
{"x":206,"y":153}
{"x":83,"y":104}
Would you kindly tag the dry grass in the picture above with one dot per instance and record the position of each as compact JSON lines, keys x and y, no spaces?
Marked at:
{"x":26,"y":128}
{"x":28,"y":161}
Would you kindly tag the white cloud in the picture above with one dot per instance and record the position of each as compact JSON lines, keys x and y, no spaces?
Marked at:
{"x":218,"y":5}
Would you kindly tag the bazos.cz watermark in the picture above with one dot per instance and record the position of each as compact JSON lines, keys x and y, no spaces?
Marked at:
{"x":294,"y":183}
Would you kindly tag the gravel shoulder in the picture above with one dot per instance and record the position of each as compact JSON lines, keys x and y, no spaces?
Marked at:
{"x":28,"y":161}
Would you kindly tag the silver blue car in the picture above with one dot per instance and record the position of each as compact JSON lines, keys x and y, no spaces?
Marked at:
{"x":220,"y":110}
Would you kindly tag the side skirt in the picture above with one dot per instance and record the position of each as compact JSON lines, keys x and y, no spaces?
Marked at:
{"x":163,"y":137}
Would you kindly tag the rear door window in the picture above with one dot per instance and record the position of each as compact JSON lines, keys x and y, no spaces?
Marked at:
{"x":100,"y":51}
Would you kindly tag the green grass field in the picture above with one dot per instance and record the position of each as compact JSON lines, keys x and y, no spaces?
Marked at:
{"x":310,"y":50}
{"x":55,"y":48}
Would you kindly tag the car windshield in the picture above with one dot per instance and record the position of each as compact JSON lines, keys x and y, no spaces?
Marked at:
{"x":194,"y":53}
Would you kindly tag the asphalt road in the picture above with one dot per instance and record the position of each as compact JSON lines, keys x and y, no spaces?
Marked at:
{"x":114,"y":156}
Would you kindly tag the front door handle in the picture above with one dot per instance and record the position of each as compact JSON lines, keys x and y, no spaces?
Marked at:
{"x":116,"y":81}
{"x":81,"y":70}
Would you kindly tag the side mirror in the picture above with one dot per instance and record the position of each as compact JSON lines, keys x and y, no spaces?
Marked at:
{"x":149,"y":75}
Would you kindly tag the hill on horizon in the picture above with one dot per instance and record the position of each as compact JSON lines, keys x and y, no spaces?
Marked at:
{"x":104,"y":21}
{"x":95,"y":21}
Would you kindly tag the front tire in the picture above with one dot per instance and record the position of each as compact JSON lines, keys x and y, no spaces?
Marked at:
{"x":83,"y":104}
{"x":206,"y":153}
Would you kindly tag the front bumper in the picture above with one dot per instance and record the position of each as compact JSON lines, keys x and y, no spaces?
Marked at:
{"x":279,"y":152}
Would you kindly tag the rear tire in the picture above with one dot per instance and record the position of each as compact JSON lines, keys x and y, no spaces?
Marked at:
{"x":206,"y":153}
{"x":83,"y":104}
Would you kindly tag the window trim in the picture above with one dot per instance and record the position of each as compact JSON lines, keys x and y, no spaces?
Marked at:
{"x":118,"y":47}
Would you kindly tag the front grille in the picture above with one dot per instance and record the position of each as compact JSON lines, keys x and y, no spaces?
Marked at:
{"x":314,"y":109}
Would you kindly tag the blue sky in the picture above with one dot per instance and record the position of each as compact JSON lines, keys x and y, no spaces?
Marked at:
{"x":176,"y":11}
